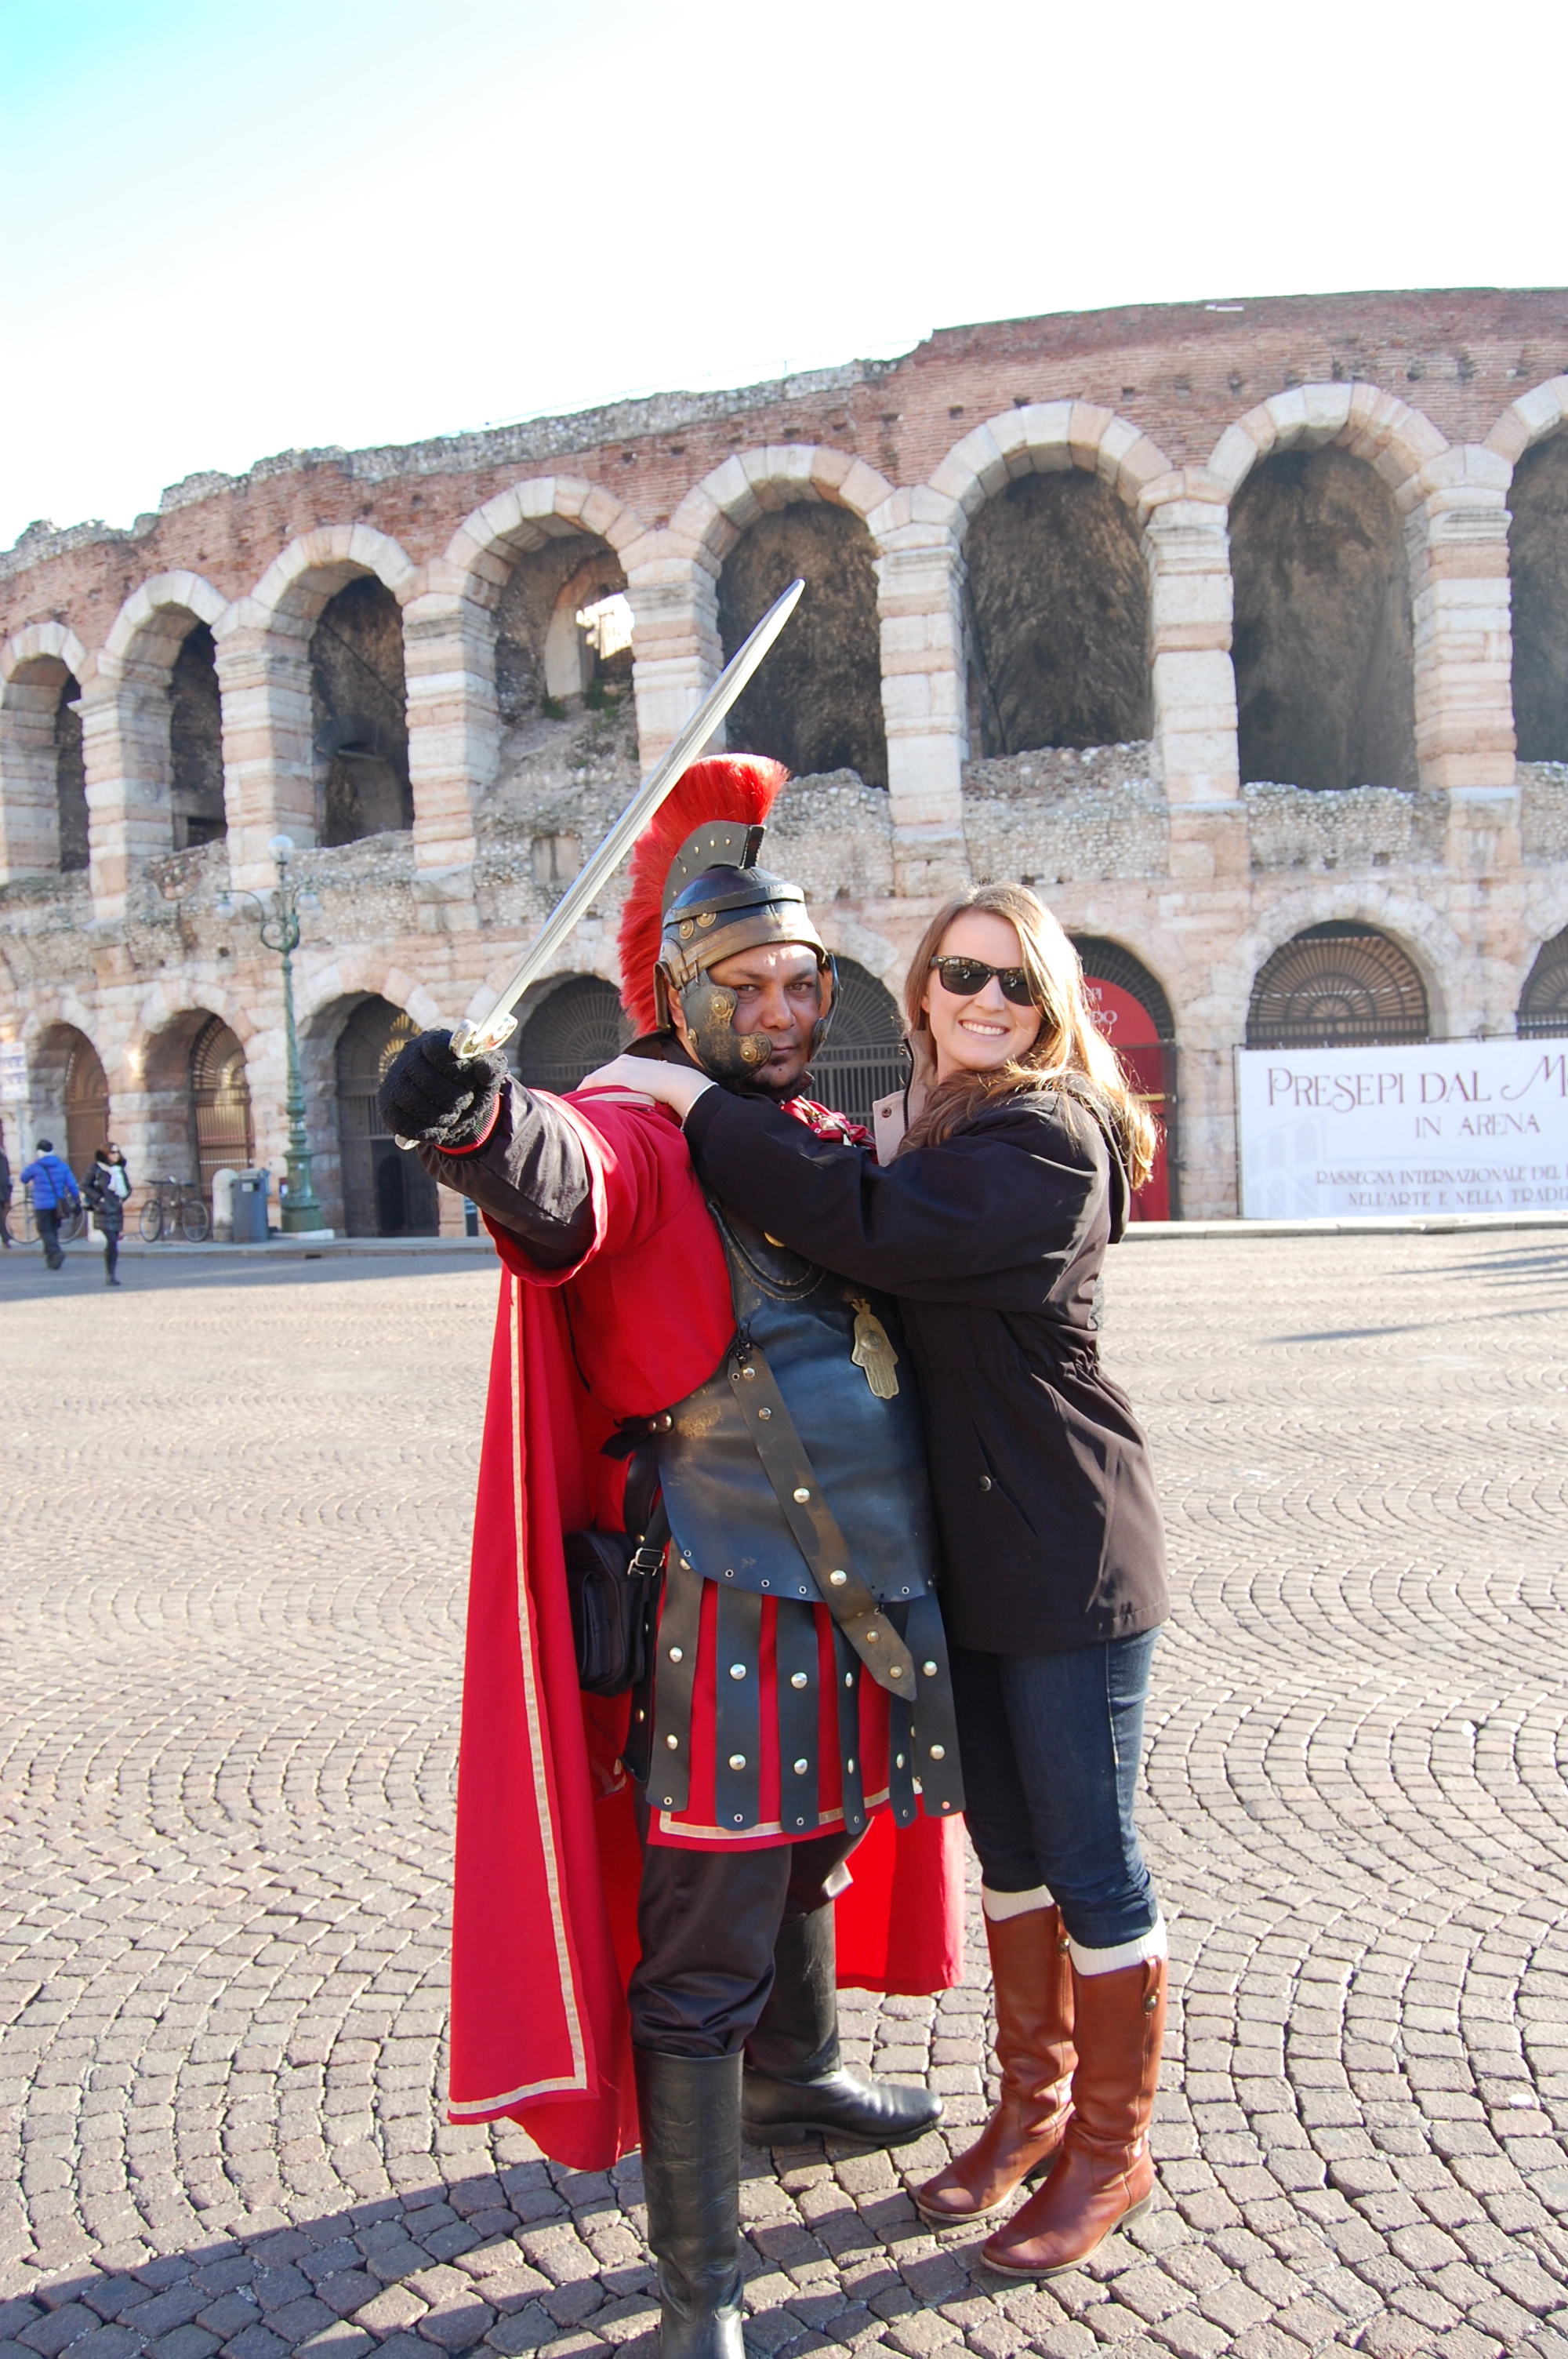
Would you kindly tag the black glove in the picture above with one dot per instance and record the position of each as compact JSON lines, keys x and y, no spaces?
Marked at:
{"x":435,"y":1098}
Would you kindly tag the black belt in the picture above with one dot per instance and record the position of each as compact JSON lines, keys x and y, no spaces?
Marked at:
{"x":812,"y":1522}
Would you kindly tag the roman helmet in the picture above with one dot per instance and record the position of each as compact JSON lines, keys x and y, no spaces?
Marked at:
{"x":696,"y":896}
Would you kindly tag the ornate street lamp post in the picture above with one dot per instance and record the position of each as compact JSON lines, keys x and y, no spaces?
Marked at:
{"x":279,"y":929}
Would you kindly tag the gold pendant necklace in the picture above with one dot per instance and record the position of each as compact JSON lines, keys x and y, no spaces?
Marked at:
{"x":873,"y":1352}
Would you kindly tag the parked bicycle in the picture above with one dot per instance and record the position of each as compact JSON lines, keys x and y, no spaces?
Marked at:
{"x":174,"y":1208}
{"x":69,"y":1224}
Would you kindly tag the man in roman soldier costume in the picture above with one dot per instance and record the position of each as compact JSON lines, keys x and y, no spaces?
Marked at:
{"x":665,"y":1871}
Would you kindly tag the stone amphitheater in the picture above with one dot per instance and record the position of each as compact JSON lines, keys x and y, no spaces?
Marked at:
{"x":1241,"y":629}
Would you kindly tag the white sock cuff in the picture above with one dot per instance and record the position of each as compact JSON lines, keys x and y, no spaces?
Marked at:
{"x":1125,"y":1953}
{"x":999,"y":1905}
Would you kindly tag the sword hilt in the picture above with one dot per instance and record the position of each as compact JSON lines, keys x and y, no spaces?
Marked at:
{"x":472,"y":1040}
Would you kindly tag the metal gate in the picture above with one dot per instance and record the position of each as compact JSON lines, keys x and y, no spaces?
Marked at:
{"x":864,"y":1058}
{"x":220,"y":1104}
{"x":579,"y":1027}
{"x":86,"y":1106}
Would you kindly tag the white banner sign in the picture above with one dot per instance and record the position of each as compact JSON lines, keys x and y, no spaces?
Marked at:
{"x":13,"y":1072}
{"x":1454,"y":1127}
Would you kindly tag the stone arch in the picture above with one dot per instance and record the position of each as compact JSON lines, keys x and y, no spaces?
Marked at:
{"x":1399,"y":441}
{"x":450,"y":630}
{"x":1324,"y":643}
{"x":313,"y":569}
{"x":727,"y":502}
{"x":69,"y":1091}
{"x":1046,"y":437}
{"x":921,"y":531}
{"x":482,"y":552}
{"x":367,"y":1184}
{"x":1218,"y":1017}
{"x":154,"y":620}
{"x":1056,"y":617}
{"x":43,"y":788}
{"x":1340,"y":981}
{"x":1542,"y":1011}
{"x":171,"y":1142}
{"x":1529,"y":438}
{"x":158,"y":720}
{"x":752,"y":526}
{"x":1421,"y":639}
{"x":1049,"y":501}
{"x":276,"y":777}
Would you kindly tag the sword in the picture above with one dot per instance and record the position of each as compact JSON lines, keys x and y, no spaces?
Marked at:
{"x":474,"y":1039}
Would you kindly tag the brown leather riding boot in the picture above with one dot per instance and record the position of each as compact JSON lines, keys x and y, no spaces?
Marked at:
{"x":1034,"y":1984}
{"x":1103,"y":2176}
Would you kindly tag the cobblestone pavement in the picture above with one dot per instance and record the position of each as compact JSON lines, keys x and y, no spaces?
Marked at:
{"x":231,"y":1612}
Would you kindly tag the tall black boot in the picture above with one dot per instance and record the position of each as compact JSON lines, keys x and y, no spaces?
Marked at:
{"x":796,"y":2084}
{"x":690,"y":2108}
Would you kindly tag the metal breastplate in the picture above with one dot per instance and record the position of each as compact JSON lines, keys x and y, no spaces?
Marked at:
{"x":868,"y":1452}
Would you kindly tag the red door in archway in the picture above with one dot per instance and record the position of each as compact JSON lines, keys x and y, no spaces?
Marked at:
{"x":1129,"y":1026}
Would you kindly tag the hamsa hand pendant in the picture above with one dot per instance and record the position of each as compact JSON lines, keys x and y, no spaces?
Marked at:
{"x":872,"y":1351}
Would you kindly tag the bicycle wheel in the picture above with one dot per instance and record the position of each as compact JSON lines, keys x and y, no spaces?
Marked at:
{"x":193,"y":1220}
{"x":151,"y":1222}
{"x":70,"y":1227}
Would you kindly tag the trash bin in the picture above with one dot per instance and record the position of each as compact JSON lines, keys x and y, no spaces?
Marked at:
{"x":249,"y":1200}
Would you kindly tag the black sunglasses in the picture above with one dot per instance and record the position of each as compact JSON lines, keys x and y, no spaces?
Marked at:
{"x":963,"y":977}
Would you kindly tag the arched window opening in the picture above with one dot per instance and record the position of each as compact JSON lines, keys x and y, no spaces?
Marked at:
{"x":1134,"y":1014}
{"x":1059,"y":618}
{"x":220,"y":1104}
{"x":863,"y":1059}
{"x":1543,"y":1003}
{"x":45,"y":776}
{"x":1324,"y":666}
{"x":196,"y":743}
{"x":579,"y":1025}
{"x":1538,"y":563}
{"x":816,"y":703}
{"x":71,"y":777}
{"x":562,"y":630}
{"x":1337,"y":984}
{"x":387,"y":1192}
{"x":360,"y":714}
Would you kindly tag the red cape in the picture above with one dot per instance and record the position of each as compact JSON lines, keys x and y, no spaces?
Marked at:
{"x":547,"y":1858}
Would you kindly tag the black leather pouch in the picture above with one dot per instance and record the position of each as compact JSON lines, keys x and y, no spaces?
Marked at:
{"x":612,"y":1581}
{"x":612,"y":1584}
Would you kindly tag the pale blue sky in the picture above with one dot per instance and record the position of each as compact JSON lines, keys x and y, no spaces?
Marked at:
{"x":231,"y":229}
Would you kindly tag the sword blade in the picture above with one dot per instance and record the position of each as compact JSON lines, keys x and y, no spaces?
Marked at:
{"x":475,"y":1039}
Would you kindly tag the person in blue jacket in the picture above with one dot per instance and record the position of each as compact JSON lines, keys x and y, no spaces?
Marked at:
{"x":54,"y":1191}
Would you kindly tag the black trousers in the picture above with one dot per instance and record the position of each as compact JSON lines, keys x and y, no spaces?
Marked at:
{"x":48,"y":1224}
{"x":708,"y":1921}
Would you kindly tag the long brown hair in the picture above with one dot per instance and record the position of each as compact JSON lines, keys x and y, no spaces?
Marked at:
{"x":1070,"y":1051}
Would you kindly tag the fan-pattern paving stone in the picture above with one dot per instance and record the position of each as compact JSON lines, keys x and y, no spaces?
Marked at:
{"x":230,"y":1628}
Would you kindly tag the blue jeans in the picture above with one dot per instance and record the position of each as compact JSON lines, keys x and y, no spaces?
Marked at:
{"x":1051,"y":1745}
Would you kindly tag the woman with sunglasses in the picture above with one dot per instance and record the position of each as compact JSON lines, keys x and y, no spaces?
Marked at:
{"x":991,"y":1223}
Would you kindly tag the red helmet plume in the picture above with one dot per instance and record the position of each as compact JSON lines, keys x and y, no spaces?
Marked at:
{"x":738,"y":787}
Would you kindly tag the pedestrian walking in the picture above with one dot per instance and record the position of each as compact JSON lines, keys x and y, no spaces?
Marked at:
{"x":991,"y":1223}
{"x":5,"y":1195}
{"x":54,"y":1191}
{"x":106,"y":1190}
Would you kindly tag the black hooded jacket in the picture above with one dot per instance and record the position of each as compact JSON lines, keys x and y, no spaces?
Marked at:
{"x":1051,"y":1529}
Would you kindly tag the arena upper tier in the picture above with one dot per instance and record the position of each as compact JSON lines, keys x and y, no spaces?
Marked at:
{"x":1241,"y":629}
